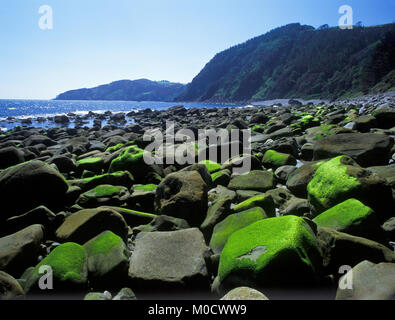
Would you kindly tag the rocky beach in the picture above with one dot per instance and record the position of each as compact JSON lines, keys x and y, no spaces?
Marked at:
{"x":85,"y":216}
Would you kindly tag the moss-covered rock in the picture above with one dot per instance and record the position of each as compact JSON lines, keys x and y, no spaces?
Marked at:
{"x":255,"y":180}
{"x":263,"y":201}
{"x":95,"y":164}
{"x":133,"y":159}
{"x":232,"y":223}
{"x":103,"y":195}
{"x":353,"y":217}
{"x":69,"y":266}
{"x":120,"y":178}
{"x":212,"y":166}
{"x":108,"y":258}
{"x":275,"y":251}
{"x":221,"y":178}
{"x":274,"y":159}
{"x":114,"y":148}
{"x":340,"y":179}
{"x":146,"y":187}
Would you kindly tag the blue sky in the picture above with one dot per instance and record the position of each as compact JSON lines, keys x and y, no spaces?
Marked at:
{"x":99,"y":41}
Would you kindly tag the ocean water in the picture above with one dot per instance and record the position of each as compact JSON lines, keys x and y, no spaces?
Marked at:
{"x":22,"y":109}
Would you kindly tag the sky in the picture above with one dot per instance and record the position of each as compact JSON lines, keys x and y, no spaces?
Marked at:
{"x":94,"y":42}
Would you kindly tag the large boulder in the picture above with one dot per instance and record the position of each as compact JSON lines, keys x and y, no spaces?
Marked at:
{"x":103,"y":195}
{"x":257,"y":180}
{"x":108,"y":260}
{"x":263,"y":201}
{"x":218,"y":210}
{"x":133,"y":159}
{"x":339,"y":249}
{"x":368,"y":149}
{"x":86,"y":224}
{"x":369,"y":281}
{"x":28,"y":185}
{"x":169,"y":260}
{"x":40,"y":215}
{"x":280,"y":251}
{"x":274,"y":159}
{"x":20,"y":250}
{"x":299,"y":179}
{"x":224,"y":229}
{"x":183,"y":195}
{"x":340,"y":179}
{"x":121,"y":178}
{"x":10,"y":156}
{"x":353,"y":217}
{"x":69,"y":269}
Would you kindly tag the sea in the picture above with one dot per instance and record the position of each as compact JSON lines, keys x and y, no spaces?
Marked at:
{"x":12,"y":112}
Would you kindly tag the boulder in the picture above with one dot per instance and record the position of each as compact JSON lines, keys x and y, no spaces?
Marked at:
{"x":261,"y":181}
{"x":262,"y":201}
{"x":183,"y":195}
{"x":278,"y":252}
{"x":9,"y":287}
{"x":273,"y":159}
{"x":336,"y":248}
{"x":367,"y":149}
{"x":108,"y":260}
{"x":20,"y":250}
{"x":299,"y":179}
{"x":162,"y":223}
{"x":104,"y":195}
{"x":224,"y":229}
{"x":134,"y":160}
{"x":10,"y":156}
{"x":125,"y":294}
{"x":221,"y":178}
{"x":69,"y":269}
{"x":218,"y":210}
{"x":95,"y":164}
{"x":28,"y":185}
{"x":244,"y":294}
{"x":353,"y":217}
{"x":370,"y":282}
{"x":40,"y":215}
{"x":169,"y":261}
{"x":83,"y":225}
{"x":121,"y":178}
{"x":340,"y":179}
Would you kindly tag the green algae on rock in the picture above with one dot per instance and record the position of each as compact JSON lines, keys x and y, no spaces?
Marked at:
{"x":331,"y":185}
{"x":274,"y":251}
{"x":212,"y":166}
{"x":103,"y":195}
{"x":352,"y":217}
{"x":342,"y":178}
{"x":108,"y":258}
{"x":120,"y":178}
{"x":263,"y":201}
{"x":232,"y":223}
{"x":146,"y":187}
{"x":274,"y":159}
{"x":69,"y":266}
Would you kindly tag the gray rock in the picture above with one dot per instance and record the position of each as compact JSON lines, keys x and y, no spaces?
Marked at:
{"x":169,"y":260}
{"x":370,"y":282}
